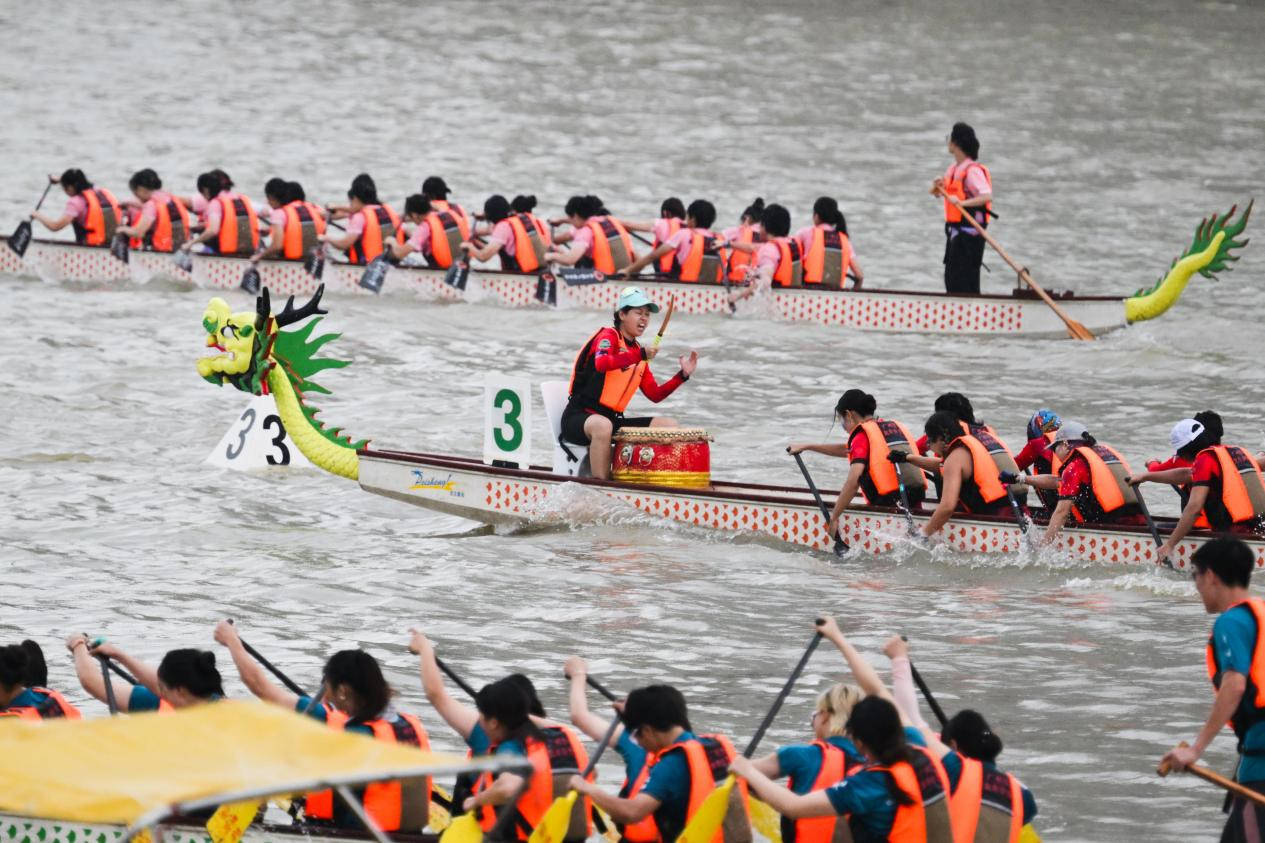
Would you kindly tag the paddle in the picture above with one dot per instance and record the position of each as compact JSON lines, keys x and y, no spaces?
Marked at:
{"x":926,"y":692}
{"x":118,"y":671}
{"x":557,"y":819}
{"x":459,"y":273}
{"x":110,"y":700}
{"x":1150,"y":523}
{"x":1215,"y":778}
{"x":1074,"y":328}
{"x":376,"y":272}
{"x":271,"y":668}
{"x":250,"y":279}
{"x":667,"y":317}
{"x":20,"y":239}
{"x":904,"y":501}
{"x":841,"y":547}
{"x":575,"y":276}
{"x":707,"y":820}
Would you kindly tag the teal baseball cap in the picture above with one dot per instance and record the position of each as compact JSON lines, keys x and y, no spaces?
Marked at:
{"x":635,"y":297}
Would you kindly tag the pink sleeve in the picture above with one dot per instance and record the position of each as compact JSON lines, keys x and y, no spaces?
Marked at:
{"x":681,"y":241}
{"x":277,"y":217}
{"x":199,"y":204}
{"x":503,"y":235}
{"x":214,"y":211}
{"x":660,"y":230}
{"x":76,"y":208}
{"x":356,"y":224}
{"x":768,"y":254}
{"x":583,"y":237}
{"x":805,"y":239}
{"x":976,"y":183}
{"x":149,"y":211}
{"x":421,"y":238}
{"x":903,"y":692}
{"x":732,"y":232}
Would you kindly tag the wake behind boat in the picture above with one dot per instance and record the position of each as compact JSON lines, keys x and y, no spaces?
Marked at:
{"x":1021,"y":312}
{"x":257,"y":357}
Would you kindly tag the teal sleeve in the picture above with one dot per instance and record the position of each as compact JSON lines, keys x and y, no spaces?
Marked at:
{"x":953,"y":766}
{"x":478,"y":741}
{"x":632,"y":753}
{"x":669,"y":779}
{"x":142,"y":699}
{"x":315,"y":710}
{"x":1029,"y":805}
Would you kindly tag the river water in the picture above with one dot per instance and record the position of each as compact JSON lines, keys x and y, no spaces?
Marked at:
{"x":1111,"y":129}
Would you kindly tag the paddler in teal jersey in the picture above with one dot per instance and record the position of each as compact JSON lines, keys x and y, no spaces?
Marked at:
{"x":1222,"y":572}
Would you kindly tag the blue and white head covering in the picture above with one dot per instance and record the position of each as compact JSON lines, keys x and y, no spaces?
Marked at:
{"x":1043,"y":421}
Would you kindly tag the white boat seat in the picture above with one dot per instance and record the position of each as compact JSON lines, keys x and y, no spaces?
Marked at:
{"x":553,"y":394}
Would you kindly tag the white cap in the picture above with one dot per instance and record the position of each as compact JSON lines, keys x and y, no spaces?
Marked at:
{"x":1071,"y":431}
{"x":1184,"y":432}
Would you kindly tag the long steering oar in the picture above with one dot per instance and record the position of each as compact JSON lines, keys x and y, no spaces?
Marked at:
{"x":841,"y":547}
{"x":20,"y":239}
{"x":667,"y":317}
{"x":711,"y":814}
{"x":1215,"y":778}
{"x":1074,"y":328}
{"x":557,"y":819}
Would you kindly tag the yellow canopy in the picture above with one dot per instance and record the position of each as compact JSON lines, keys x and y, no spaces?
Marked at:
{"x":132,"y":770}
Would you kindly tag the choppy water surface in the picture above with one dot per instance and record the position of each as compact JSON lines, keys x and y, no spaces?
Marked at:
{"x":1110,"y":131}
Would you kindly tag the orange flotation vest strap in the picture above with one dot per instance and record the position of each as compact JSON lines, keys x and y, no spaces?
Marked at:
{"x":704,"y":262}
{"x":667,"y":263}
{"x":884,"y":436}
{"x":533,"y":803}
{"x":612,"y":390}
{"x":53,"y":706}
{"x":646,"y":831}
{"x":529,"y":247}
{"x":104,"y":215}
{"x":707,"y":757}
{"x":383,"y":801}
{"x":169,"y":229}
{"x":826,"y":262}
{"x":612,"y":245}
{"x":740,"y":260}
{"x":1107,"y":470}
{"x":239,"y":227}
{"x":957,"y":187}
{"x":790,"y":265}
{"x":1242,"y":486}
{"x":1251,"y":708}
{"x":989,"y":458}
{"x":926,"y":783}
{"x":382,"y":223}
{"x":834,"y":766}
{"x":447,"y":230}
{"x":999,"y":792}
{"x":302,"y":226}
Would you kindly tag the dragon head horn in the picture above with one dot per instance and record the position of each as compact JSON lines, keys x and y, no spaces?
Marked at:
{"x":290,"y":315}
{"x":263,"y":307}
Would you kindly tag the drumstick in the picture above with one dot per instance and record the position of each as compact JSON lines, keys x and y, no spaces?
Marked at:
{"x":663,"y":326}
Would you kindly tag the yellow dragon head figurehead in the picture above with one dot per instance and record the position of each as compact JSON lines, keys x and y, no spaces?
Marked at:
{"x":256,"y":356}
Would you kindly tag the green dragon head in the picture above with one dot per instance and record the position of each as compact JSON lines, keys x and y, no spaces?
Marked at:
{"x":256,"y":356}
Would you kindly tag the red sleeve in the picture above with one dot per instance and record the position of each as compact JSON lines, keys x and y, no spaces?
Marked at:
{"x":1075,"y":477}
{"x":1030,"y":452}
{"x":1205,"y":469}
{"x":859,"y":449}
{"x":607,"y":360}
{"x":656,"y":392}
{"x":1172,"y":462}
{"x":920,"y":447}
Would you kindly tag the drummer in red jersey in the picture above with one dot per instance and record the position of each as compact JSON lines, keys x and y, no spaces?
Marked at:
{"x":608,"y":372}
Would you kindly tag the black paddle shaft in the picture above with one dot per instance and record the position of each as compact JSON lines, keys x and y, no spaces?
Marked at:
{"x":1146,"y":513}
{"x":781,"y":697}
{"x":926,"y":693}
{"x":600,"y":688}
{"x":273,"y":669}
{"x":1014,"y":507}
{"x":461,"y":683}
{"x":840,"y":545}
{"x":904,"y":502}
{"x":110,"y":699}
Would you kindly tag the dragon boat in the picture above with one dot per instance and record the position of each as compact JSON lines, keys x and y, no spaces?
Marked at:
{"x":252,"y":352}
{"x":1020,"y":312}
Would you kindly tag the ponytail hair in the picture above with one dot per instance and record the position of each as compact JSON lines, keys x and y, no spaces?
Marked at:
{"x":858,"y":401}
{"x":226,"y":183}
{"x":875,"y":722}
{"x":969,"y":731}
{"x":193,"y":671}
{"x":36,"y":667}
{"x":363,"y":189}
{"x":827,"y":210}
{"x":754,"y":214}
{"x":75,"y":180}
{"x":521,"y":204}
{"x":506,"y":702}
{"x":14,"y":664}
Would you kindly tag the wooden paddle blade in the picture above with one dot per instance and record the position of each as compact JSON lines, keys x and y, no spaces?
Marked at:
{"x":464,"y":829}
{"x":20,"y":239}
{"x":553,"y":826}
{"x":703,"y":826}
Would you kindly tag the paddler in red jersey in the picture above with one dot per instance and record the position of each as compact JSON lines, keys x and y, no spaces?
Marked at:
{"x":607,"y":373}
{"x":971,"y":465}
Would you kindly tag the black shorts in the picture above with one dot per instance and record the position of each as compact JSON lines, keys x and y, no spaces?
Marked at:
{"x":573,"y":424}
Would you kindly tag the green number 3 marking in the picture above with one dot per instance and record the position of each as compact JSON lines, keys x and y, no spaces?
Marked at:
{"x":508,"y":400}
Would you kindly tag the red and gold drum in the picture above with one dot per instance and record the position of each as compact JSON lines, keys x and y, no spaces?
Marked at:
{"x":662,"y":456}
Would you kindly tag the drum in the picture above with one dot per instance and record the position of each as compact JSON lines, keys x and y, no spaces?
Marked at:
{"x":662,"y":456}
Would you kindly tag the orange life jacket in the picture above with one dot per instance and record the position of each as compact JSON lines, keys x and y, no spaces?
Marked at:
{"x":383,"y":801}
{"x":956,"y":186}
{"x":707,"y":757}
{"x":533,"y":803}
{"x":612,"y":390}
{"x":667,"y":263}
{"x":239,"y":227}
{"x":989,"y":458}
{"x":881,"y":478}
{"x":827,"y":259}
{"x":1107,"y":470}
{"x":612,"y":245}
{"x":1242,"y":490}
{"x":928,"y":819}
{"x":382,"y":224}
{"x":704,"y":262}
{"x":447,"y":231}
{"x":740,"y":260}
{"x":646,"y":831}
{"x":529,"y":247}
{"x":452,"y":208}
{"x":790,"y":268}
{"x":834,"y":767}
{"x":1251,"y":708}
{"x":54,"y":706}
{"x":104,"y":214}
{"x":302,"y":226}
{"x":977,"y":789}
{"x":169,"y":229}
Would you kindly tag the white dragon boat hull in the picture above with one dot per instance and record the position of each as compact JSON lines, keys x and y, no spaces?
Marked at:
{"x":16,"y":829}
{"x":509,"y":496}
{"x":1020,"y":313}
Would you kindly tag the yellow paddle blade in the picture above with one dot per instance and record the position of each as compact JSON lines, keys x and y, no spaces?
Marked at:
{"x":464,"y":829}
{"x":230,"y":820}
{"x":1028,"y":834}
{"x":766,"y":821}
{"x":612,"y":834}
{"x":553,"y":826}
{"x":707,"y":820}
{"x":440,"y":816}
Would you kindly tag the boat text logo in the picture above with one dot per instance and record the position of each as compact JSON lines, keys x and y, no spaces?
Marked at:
{"x":422,"y":481}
